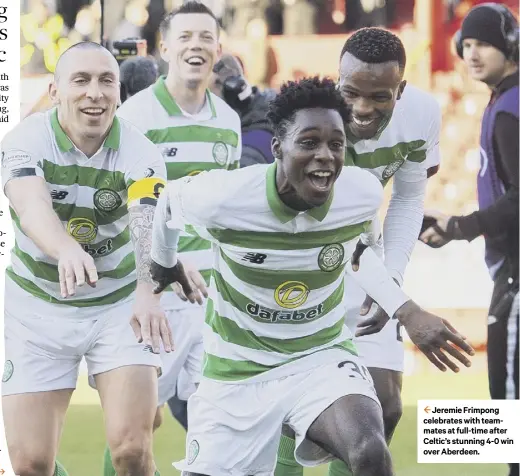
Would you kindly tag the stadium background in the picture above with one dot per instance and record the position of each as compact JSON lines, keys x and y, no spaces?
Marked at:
{"x":285,"y":39}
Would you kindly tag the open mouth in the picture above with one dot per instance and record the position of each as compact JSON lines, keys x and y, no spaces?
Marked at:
{"x":195,"y":61}
{"x":364,"y":123}
{"x":321,"y":179}
{"x":93,"y":111}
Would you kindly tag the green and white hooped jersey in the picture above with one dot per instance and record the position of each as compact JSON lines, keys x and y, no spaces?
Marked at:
{"x":278,"y":275}
{"x":408,"y":145}
{"x":91,"y":197}
{"x":189,"y":144}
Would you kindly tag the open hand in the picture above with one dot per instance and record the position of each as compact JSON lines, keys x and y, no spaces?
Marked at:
{"x":436,"y":338}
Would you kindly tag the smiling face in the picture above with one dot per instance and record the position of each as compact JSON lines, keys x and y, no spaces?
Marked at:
{"x":311,"y":153}
{"x":371,"y":90}
{"x":191,"y":48}
{"x":86,"y":92}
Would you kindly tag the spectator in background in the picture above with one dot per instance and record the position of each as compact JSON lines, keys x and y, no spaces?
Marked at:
{"x":488,"y":44}
{"x":251,"y":105}
{"x":300,"y":17}
{"x":240,"y":13}
{"x":137,"y":74}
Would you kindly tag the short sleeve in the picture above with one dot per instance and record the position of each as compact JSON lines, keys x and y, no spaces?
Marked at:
{"x":145,"y":177}
{"x":360,"y":192}
{"x":196,"y":201}
{"x":22,"y":152}
{"x":426,"y":160}
{"x":433,"y":156}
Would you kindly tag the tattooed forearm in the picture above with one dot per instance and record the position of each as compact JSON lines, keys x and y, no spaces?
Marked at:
{"x":141,"y":223}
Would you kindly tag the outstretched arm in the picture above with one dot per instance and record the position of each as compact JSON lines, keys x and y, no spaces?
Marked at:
{"x":431,"y":334}
{"x":30,"y":199}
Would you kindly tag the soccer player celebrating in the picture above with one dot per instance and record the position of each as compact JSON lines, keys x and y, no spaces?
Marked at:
{"x":394,"y":132}
{"x":277,"y":350}
{"x":82,"y":187}
{"x":195,"y":131}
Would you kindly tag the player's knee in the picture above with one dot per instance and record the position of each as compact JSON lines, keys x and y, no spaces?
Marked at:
{"x":132,"y":453}
{"x":392,"y":413}
{"x":27,"y":465}
{"x":370,"y":455}
{"x":388,"y":388}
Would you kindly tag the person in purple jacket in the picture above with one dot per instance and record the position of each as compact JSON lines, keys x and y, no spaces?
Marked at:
{"x":488,"y":44}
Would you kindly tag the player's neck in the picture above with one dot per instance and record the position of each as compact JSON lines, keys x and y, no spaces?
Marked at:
{"x":88,"y":145}
{"x":288,"y":194}
{"x":190,"y":100}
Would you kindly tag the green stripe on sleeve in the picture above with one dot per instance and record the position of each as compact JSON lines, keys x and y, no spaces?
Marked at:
{"x":387,"y":155}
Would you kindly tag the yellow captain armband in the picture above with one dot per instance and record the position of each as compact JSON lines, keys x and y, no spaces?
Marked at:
{"x":145,"y":191}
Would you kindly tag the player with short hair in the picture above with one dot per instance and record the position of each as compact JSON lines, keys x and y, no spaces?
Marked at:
{"x":277,"y":350}
{"x":82,"y":187}
{"x":394,"y":133}
{"x":195,"y":131}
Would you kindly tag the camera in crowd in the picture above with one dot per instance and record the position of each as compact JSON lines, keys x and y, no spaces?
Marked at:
{"x":129,"y":48}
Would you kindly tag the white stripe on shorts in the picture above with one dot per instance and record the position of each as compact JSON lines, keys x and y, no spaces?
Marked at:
{"x":512,"y":339}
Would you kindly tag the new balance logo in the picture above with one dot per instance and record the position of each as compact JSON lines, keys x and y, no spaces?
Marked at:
{"x":169,"y":151}
{"x":147,"y":348}
{"x":255,"y":258}
{"x":58,"y":194}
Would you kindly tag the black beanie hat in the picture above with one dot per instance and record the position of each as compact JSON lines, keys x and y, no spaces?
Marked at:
{"x":485,"y":24}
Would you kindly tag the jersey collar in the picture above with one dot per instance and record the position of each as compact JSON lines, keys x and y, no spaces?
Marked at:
{"x":281,"y":210}
{"x":112,"y":140}
{"x":168,"y":103}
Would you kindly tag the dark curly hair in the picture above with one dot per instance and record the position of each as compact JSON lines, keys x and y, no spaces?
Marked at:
{"x":307,"y":93}
{"x":375,"y":45}
{"x":187,"y":7}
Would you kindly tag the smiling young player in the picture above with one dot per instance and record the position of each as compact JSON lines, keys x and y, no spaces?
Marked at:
{"x":394,"y":133}
{"x":277,"y":350}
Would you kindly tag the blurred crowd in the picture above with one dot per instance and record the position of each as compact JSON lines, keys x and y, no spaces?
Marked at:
{"x":48,"y":27}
